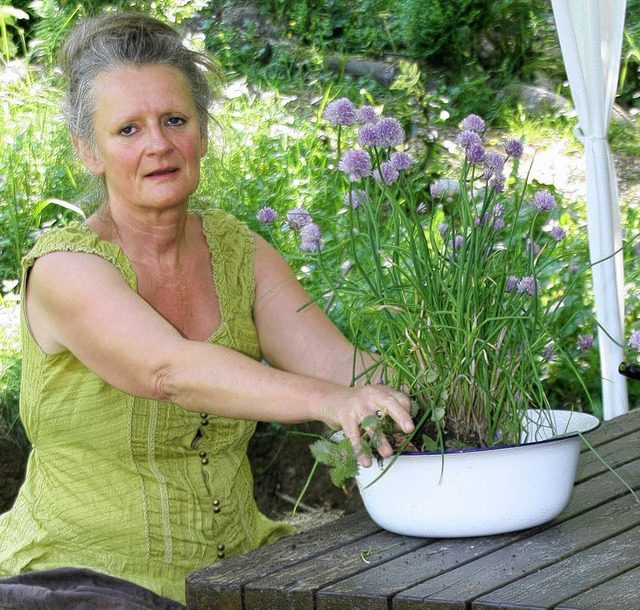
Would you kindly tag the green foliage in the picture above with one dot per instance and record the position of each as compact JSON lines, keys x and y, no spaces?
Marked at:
{"x":629,"y":87}
{"x":458,"y":33}
{"x":354,"y":26}
{"x":39,"y":171}
{"x":10,"y":31}
{"x":10,"y":367}
{"x":339,"y":457}
{"x":51,"y":20}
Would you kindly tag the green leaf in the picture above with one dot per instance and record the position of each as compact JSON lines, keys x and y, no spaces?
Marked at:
{"x":339,"y":457}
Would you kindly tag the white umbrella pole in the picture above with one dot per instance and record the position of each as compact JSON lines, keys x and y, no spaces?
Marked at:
{"x":603,"y":222}
{"x":590,"y":33}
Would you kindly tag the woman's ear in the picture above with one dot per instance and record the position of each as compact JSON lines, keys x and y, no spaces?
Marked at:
{"x":88,"y":154}
{"x":204,"y":143}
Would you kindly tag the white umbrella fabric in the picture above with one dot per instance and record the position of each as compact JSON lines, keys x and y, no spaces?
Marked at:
{"x":590,"y":33}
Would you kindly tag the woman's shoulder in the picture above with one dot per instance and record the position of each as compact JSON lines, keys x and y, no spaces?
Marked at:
{"x":218,"y":220}
{"x":224,"y":231}
{"x":77,"y":237}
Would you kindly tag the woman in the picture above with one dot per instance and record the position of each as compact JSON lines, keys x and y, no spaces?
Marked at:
{"x":144,"y":332}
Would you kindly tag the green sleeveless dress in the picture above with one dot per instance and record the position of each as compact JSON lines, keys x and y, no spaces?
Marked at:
{"x":135,"y":488}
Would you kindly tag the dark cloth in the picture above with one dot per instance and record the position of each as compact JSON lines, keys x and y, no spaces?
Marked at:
{"x":77,"y":589}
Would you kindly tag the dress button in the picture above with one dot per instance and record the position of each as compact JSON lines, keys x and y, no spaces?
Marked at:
{"x":216,"y":502}
{"x":220,"y":555}
{"x":203,"y":454}
{"x":221,"y":547}
{"x":216,"y":509}
{"x":204,"y":460}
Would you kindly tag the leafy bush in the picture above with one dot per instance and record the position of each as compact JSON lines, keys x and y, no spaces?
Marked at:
{"x":458,"y":33}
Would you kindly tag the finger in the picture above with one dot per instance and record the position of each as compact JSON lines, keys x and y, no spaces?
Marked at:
{"x":352,"y":432}
{"x":385,"y":449}
{"x":397,"y":406}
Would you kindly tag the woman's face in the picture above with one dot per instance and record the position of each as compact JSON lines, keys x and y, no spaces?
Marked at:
{"x":148,"y":137}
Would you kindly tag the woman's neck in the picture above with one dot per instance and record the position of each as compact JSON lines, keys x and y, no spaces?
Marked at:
{"x":150,"y":238}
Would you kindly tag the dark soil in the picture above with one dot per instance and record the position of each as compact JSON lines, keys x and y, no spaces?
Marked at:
{"x":12,"y":468}
{"x":282,"y":463}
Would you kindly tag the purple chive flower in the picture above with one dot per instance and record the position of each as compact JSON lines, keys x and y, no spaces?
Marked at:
{"x":401,"y":161}
{"x":529,"y":285}
{"x":456,"y":243}
{"x":497,"y":183}
{"x":549,"y":353}
{"x":473,"y":123}
{"x":558,"y":233}
{"x":512,"y":283}
{"x":421,"y":208}
{"x":498,"y":224}
{"x":443,"y":229}
{"x":532,"y":247}
{"x":386,"y":173}
{"x":514,"y":148}
{"x":298,"y":218}
{"x":481,"y":221}
{"x":436,"y":189}
{"x":311,"y":238}
{"x":544,"y":201}
{"x":385,"y":133}
{"x":369,"y":136}
{"x":494,"y":162}
{"x":634,"y":340}
{"x":356,"y":198}
{"x":391,"y":131}
{"x":476,"y":154}
{"x":266,"y":215}
{"x":366,"y":114}
{"x":468,"y":138}
{"x":340,"y":112}
{"x":585,"y":342}
{"x":356,"y":164}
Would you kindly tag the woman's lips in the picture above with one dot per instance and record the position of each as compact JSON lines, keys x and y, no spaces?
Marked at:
{"x":159,"y":173}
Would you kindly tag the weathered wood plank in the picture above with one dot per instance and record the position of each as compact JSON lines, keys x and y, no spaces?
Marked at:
{"x":374,"y":588}
{"x":602,"y":488}
{"x":224,"y":582}
{"x":294,"y":587}
{"x":613,"y":429}
{"x":516,"y":561}
{"x":620,"y":593}
{"x":616,"y":453}
{"x":576,"y":574}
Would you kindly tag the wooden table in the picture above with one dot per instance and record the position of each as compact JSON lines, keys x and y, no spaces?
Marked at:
{"x":588,"y":558}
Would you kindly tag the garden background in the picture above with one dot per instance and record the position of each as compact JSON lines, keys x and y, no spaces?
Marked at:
{"x":429,"y":63}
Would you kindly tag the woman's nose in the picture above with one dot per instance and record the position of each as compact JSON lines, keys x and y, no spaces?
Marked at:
{"x":158,"y":140}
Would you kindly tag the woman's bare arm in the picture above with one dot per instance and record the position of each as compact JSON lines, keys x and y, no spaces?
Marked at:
{"x":81,"y":303}
{"x":295,"y":335}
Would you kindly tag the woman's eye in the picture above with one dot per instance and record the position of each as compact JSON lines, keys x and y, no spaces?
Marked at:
{"x":176,"y":120}
{"x":127,"y":130}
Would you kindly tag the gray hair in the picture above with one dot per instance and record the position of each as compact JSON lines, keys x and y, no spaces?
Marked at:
{"x":114,"y":41}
